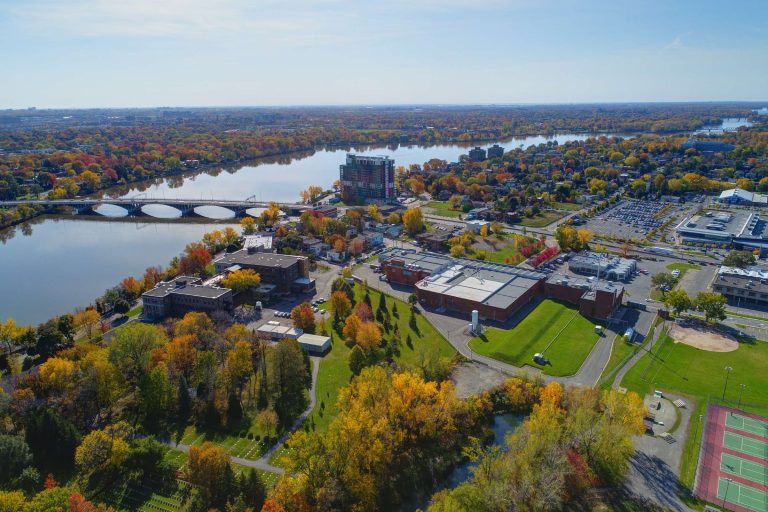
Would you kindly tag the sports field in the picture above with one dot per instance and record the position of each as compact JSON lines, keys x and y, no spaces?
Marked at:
{"x":744,"y":468}
{"x":747,"y":424}
{"x":733,"y":463}
{"x":741,"y":495}
{"x":555,"y":329}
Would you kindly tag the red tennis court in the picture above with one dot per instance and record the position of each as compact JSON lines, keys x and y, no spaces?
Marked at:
{"x":733,"y":461}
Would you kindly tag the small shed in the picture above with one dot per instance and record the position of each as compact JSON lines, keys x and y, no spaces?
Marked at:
{"x":315,"y":344}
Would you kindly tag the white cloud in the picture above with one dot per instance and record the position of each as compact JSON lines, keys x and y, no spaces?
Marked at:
{"x":156,"y":17}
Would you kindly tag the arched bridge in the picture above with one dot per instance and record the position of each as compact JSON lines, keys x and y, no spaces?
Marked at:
{"x":134,"y":206}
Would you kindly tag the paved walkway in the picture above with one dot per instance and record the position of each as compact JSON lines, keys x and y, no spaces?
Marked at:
{"x":636,"y":357}
{"x":262,"y":463}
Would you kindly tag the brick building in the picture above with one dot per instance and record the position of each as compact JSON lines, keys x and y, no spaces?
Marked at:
{"x":184,"y":294}
{"x":495,"y":290}
{"x":287,"y":273}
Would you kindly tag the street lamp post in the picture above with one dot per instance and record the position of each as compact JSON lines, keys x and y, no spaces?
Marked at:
{"x":741,"y":390}
{"x":727,"y":486}
{"x":695,"y":435}
{"x":728,"y":371}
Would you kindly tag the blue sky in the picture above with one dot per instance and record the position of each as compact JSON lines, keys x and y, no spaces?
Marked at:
{"x":93,"y":53}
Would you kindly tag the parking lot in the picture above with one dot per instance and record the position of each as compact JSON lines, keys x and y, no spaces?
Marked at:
{"x":635,"y":219}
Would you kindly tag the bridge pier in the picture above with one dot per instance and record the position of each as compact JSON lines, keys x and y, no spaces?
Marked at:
{"x":83,"y":209}
{"x":134,"y":210}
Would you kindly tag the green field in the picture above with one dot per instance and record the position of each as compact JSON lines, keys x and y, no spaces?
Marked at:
{"x":545,"y":218}
{"x":683,"y":267}
{"x":443,"y":209}
{"x":543,"y":325}
{"x":680,"y":368}
{"x":568,"y":206}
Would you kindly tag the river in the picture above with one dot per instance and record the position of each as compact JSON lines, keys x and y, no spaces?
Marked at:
{"x":729,"y":124}
{"x":51,"y":266}
{"x":503,"y":424}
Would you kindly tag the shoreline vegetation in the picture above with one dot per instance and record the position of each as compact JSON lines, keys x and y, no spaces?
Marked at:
{"x":65,"y":163}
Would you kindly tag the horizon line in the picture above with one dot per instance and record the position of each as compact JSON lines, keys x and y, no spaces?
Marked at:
{"x":385,"y":105}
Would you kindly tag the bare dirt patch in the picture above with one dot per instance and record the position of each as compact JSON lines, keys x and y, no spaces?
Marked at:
{"x":704,"y":338}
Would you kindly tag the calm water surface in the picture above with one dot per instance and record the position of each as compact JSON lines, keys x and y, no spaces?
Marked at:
{"x":51,"y":266}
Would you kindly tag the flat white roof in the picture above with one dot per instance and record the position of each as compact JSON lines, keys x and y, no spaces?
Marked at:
{"x":314,"y":340}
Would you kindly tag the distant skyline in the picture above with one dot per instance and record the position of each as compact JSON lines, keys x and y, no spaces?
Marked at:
{"x":147,"y":53}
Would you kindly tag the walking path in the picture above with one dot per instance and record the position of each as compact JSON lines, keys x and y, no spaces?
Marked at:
{"x":636,"y":357}
{"x":262,"y":463}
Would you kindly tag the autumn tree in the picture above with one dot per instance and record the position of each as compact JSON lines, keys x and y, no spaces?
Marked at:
{"x":241,"y":280}
{"x":86,"y":320}
{"x":413,"y":221}
{"x":303,"y":317}
{"x":351,"y":327}
{"x":389,"y":430}
{"x":368,"y":335}
{"x":208,"y":467}
{"x":340,"y":304}
{"x":712,"y":304}
{"x":678,"y":300}
{"x":287,"y":378}
{"x":131,"y":349}
{"x":248,"y":225}
{"x":104,"y":450}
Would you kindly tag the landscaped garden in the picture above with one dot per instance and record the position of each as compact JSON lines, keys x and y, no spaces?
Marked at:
{"x":556,"y":329}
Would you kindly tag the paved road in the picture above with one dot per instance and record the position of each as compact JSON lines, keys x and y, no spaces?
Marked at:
{"x":262,"y":463}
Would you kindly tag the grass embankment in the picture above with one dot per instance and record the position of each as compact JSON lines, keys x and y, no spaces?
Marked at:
{"x":442,"y":209}
{"x":334,"y":373}
{"x":621,"y":351}
{"x":573,"y":334}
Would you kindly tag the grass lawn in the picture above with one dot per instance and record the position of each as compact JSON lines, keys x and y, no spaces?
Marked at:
{"x":568,"y":206}
{"x":500,"y":250}
{"x":683,"y":369}
{"x":545,"y":218}
{"x":543,"y":325}
{"x":334,"y":368}
{"x":443,"y":209}
{"x":136,"y":310}
{"x":683,"y":267}
{"x":656,"y":294}
{"x":235,"y":445}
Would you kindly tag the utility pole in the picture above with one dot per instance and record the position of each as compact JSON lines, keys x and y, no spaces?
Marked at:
{"x":728,"y":371}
